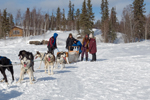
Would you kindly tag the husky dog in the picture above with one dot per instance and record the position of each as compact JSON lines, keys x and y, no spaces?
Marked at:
{"x":26,"y":68}
{"x":41,"y":56}
{"x":29,"y":55}
{"x":5,"y":63}
{"x":62,"y":58}
{"x":48,"y":59}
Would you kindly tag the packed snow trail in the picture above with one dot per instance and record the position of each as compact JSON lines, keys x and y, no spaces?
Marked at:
{"x":121,"y":72}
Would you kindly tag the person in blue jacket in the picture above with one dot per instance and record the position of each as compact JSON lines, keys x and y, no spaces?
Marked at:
{"x":52,"y":45}
{"x":78,"y":43}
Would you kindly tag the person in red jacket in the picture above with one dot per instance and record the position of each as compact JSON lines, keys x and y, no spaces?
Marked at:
{"x":52,"y":45}
{"x":92,"y":47}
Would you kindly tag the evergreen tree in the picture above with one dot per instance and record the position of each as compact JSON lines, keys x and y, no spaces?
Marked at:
{"x":27,"y":23}
{"x":106,"y":12}
{"x":90,"y":15}
{"x":69,"y":16}
{"x":58,"y":18}
{"x":139,"y":10}
{"x":102,"y":11}
{"x":5,"y":23}
{"x":11,"y":21}
{"x":64,"y":20}
{"x":52,"y":21}
{"x":112,"y":25}
{"x":105,"y":20}
{"x":78,"y":20}
{"x":0,"y":24}
{"x":84,"y":20}
{"x":70,"y":11}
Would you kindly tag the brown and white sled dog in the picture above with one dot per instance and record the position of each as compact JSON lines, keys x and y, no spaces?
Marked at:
{"x":49,"y":60}
{"x":62,"y":59}
{"x":26,"y":67}
{"x":41,"y":56}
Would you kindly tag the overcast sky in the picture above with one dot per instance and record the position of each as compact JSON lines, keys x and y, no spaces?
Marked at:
{"x":48,"y":6}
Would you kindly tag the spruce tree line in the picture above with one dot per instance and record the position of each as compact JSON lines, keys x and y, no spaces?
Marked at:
{"x":6,"y":23}
{"x":134,"y":25}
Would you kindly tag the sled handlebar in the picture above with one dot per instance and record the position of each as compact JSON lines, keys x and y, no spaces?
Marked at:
{"x":74,"y":47}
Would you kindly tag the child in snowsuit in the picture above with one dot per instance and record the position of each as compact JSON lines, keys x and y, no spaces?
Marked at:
{"x":85,"y":48}
{"x":78,"y":43}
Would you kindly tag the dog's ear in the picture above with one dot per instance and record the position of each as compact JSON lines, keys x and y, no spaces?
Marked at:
{"x":37,"y":52}
{"x":21,"y":57}
{"x":30,"y":56}
{"x":23,"y":53}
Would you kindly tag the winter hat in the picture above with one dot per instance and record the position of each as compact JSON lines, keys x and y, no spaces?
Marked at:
{"x":55,"y":35}
{"x":91,"y":35}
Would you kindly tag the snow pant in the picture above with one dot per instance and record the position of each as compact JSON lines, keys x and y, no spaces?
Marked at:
{"x":94,"y":57}
{"x":84,"y":52}
{"x":50,"y":50}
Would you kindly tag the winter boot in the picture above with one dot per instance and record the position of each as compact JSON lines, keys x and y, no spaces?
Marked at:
{"x":94,"y":57}
{"x":81,"y":58}
{"x":86,"y":58}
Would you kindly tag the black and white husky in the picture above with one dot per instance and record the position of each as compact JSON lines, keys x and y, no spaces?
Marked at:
{"x":62,"y":59}
{"x":26,"y":67}
{"x":5,"y":63}
{"x":29,"y":55}
{"x":48,"y":59}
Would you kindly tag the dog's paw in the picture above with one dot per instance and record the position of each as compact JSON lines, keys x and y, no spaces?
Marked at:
{"x":7,"y":83}
{"x":61,"y":69}
{"x":31,"y":83}
{"x":2,"y":81}
{"x":18,"y":82}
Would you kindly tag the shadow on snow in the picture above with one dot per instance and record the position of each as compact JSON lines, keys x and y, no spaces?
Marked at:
{"x":10,"y":95}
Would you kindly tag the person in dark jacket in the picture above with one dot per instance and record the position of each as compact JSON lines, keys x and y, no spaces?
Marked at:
{"x":52,"y":45}
{"x":85,"y":48}
{"x":92,"y":47}
{"x":69,"y":42}
{"x":78,"y":43}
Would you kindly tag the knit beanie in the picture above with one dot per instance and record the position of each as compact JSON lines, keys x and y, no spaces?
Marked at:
{"x":91,"y":35}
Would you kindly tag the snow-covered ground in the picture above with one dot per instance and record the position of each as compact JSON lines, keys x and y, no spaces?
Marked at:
{"x":121,"y":72}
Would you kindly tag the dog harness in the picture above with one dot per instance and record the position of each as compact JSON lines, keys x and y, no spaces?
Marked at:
{"x":43,"y":57}
{"x":6,"y":58}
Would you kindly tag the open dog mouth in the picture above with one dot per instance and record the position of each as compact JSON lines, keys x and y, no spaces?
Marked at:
{"x":49,"y":59}
{"x":25,"y":64}
{"x":36,"y":57}
{"x":64,"y":58}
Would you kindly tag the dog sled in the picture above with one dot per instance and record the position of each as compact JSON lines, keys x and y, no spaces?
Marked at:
{"x":73,"y":56}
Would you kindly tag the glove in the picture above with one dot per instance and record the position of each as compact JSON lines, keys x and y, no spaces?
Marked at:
{"x":53,"y":47}
{"x":89,"y":50}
